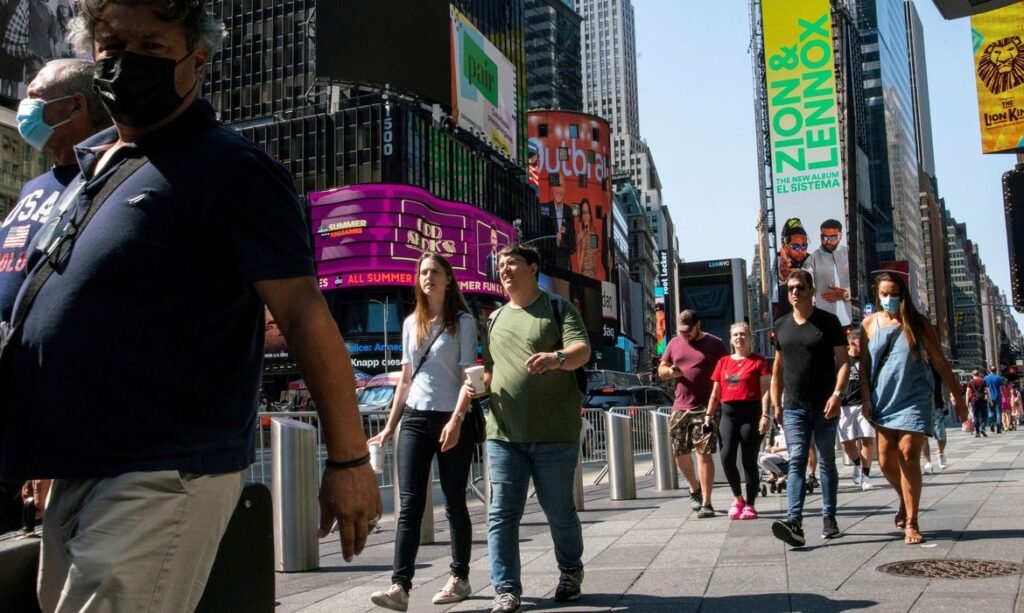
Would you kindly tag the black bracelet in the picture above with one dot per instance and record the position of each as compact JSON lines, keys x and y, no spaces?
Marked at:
{"x":329,"y":463}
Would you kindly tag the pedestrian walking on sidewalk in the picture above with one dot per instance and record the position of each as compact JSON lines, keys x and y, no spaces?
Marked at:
{"x":855,"y":431}
{"x":995,"y":382}
{"x":940,"y":411}
{"x":533,"y":345}
{"x":979,"y":401}
{"x":1016,"y":406}
{"x":902,"y":349}
{"x":430,"y":402}
{"x":1006,"y":393}
{"x":689,"y":360}
{"x":812,"y":366}
{"x":739,"y":382}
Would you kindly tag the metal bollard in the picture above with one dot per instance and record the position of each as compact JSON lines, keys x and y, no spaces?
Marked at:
{"x":577,"y":484}
{"x":427,"y":523}
{"x":294,"y":487}
{"x":621,"y":463}
{"x":666,"y":475}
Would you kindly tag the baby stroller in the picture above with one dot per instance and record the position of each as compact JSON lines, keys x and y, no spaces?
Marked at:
{"x":774,"y":462}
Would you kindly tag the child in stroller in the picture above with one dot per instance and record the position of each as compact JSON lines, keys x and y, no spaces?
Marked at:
{"x":774,"y":461}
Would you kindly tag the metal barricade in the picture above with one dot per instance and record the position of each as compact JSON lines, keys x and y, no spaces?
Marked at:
{"x":666,"y":476}
{"x":294,"y":491}
{"x":621,"y":463}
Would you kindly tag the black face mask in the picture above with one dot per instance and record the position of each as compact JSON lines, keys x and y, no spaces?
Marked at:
{"x":138,"y":90}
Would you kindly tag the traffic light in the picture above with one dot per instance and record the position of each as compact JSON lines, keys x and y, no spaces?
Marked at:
{"x":959,"y":318}
{"x":1013,"y":204}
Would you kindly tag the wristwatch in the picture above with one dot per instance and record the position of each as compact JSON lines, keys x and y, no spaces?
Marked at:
{"x":560,"y":357}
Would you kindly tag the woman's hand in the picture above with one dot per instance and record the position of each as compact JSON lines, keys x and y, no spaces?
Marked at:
{"x":471,"y":391}
{"x":381,"y":437}
{"x":762,"y":425}
{"x":450,"y":434}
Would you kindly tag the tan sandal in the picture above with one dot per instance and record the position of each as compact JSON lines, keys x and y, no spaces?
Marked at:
{"x":901,"y":518}
{"x":912,"y":536}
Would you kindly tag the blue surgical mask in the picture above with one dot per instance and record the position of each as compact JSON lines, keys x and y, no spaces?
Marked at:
{"x":891,"y":304}
{"x":31,"y":125}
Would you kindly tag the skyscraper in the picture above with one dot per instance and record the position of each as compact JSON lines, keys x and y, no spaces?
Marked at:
{"x":892,"y":136}
{"x":554,"y":79}
{"x":610,"y":88}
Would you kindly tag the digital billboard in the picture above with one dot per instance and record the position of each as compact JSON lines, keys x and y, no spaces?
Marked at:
{"x":805,"y":149}
{"x":367,"y":235}
{"x":32,"y":32}
{"x":998,"y":40}
{"x":484,"y":87}
{"x":574,"y":189}
{"x":716,"y":289}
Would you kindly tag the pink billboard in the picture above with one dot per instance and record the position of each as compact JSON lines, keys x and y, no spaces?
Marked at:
{"x":372,"y":234}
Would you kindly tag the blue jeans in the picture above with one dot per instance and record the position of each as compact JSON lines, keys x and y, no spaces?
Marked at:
{"x":995,"y":415}
{"x":553,"y":467}
{"x":799,"y":425}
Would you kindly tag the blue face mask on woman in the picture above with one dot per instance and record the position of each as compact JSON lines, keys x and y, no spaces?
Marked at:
{"x":31,"y":125}
{"x":891,"y":304}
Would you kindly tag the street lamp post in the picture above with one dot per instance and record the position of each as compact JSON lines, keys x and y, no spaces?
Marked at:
{"x":387,"y":348}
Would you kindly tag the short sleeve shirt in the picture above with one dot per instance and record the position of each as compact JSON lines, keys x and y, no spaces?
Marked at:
{"x":740,"y":380}
{"x":994,"y":383}
{"x":527,"y":408}
{"x":696,"y":361}
{"x":144,"y":352}
{"x":436,"y":386}
{"x":808,"y":357}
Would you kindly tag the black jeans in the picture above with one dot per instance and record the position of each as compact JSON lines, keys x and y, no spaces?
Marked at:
{"x":738,"y":431}
{"x":418,"y":443}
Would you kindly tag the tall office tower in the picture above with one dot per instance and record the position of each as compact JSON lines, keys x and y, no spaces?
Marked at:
{"x":553,"y":69}
{"x":932,"y":208}
{"x":610,"y":88}
{"x":965,"y":273}
{"x":892,"y":137}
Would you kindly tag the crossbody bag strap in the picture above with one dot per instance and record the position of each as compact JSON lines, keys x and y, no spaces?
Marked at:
{"x":59,"y":249}
{"x":426,"y":353}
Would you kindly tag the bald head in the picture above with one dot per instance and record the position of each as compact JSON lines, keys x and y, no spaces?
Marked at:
{"x":75,"y":110}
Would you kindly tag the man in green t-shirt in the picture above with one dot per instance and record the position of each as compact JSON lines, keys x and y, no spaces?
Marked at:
{"x":534,"y":424}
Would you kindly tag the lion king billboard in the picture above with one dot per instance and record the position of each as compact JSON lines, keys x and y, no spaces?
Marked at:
{"x":998,"y":40}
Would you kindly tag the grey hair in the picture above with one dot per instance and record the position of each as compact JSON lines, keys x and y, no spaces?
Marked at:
{"x":74,"y":76}
{"x":201,"y":28}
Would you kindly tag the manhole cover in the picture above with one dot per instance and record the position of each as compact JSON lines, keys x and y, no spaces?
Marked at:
{"x":951,"y":568}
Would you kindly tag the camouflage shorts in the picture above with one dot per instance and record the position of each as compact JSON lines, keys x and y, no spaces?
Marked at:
{"x":686,"y":430}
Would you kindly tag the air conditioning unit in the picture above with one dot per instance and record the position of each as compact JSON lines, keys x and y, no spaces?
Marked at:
{"x":954,"y":9}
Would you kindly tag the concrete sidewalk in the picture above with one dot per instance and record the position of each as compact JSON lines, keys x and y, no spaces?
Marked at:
{"x":653,"y":554}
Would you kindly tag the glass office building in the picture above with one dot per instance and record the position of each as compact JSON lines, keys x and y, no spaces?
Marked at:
{"x":553,"y":60}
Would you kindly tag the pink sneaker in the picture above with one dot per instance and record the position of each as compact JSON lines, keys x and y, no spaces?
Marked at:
{"x":749,"y":512}
{"x":736,"y":510}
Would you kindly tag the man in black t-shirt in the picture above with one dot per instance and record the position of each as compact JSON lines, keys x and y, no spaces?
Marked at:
{"x":811,"y":367}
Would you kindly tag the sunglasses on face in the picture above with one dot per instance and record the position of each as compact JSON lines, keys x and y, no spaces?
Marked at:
{"x":798,"y":246}
{"x":832,"y":238}
{"x":799,"y":287}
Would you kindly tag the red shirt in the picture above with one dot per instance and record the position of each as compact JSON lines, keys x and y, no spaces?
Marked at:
{"x":740,"y":379}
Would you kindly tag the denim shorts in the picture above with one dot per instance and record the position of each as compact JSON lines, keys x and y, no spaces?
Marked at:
{"x":686,"y":428}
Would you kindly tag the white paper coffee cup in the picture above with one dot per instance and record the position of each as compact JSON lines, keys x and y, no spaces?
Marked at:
{"x":476,"y":377}
{"x":375,"y":459}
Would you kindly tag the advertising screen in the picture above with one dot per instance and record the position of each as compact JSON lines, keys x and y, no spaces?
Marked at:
{"x":805,"y":146}
{"x":572,"y":169}
{"x":484,"y":86}
{"x":368,"y":235}
{"x":32,"y":32}
{"x":998,"y":40}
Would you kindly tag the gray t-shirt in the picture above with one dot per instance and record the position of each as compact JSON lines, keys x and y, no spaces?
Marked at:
{"x":436,"y":386}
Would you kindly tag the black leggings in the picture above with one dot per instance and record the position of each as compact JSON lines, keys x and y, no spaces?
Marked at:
{"x":738,"y":429}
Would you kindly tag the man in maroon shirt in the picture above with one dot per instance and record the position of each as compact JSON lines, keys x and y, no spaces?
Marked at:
{"x":690,"y":358}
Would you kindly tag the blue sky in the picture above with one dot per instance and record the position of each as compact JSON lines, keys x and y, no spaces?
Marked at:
{"x":697,"y":115}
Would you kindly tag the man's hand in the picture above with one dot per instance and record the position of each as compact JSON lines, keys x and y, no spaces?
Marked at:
{"x":542,"y":362}
{"x":833,"y":406}
{"x":349,"y":495}
{"x":834,"y":294}
{"x":865,"y":411}
{"x":778,"y":415}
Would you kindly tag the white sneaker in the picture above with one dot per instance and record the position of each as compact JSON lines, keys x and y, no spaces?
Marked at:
{"x":456,"y":590}
{"x":927,"y":468}
{"x":395,"y":598}
{"x":857,"y":473}
{"x":865,"y":483}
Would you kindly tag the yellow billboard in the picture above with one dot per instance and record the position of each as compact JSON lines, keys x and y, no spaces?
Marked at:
{"x":998,"y":40}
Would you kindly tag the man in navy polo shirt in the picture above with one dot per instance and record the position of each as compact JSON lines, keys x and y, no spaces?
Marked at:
{"x":140,"y":357}
{"x":60,"y":110}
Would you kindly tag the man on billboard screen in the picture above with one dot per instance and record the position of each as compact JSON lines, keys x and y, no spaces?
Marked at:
{"x":830,"y":266}
{"x":557,"y":222}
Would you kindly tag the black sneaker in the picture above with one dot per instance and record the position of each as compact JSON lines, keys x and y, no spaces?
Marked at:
{"x":696,"y":500}
{"x":830,"y":529}
{"x":506,"y":602}
{"x":789,"y":531}
{"x":569,"y":586}
{"x":705,"y":512}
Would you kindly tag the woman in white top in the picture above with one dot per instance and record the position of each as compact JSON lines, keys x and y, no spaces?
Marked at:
{"x":438,"y":344}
